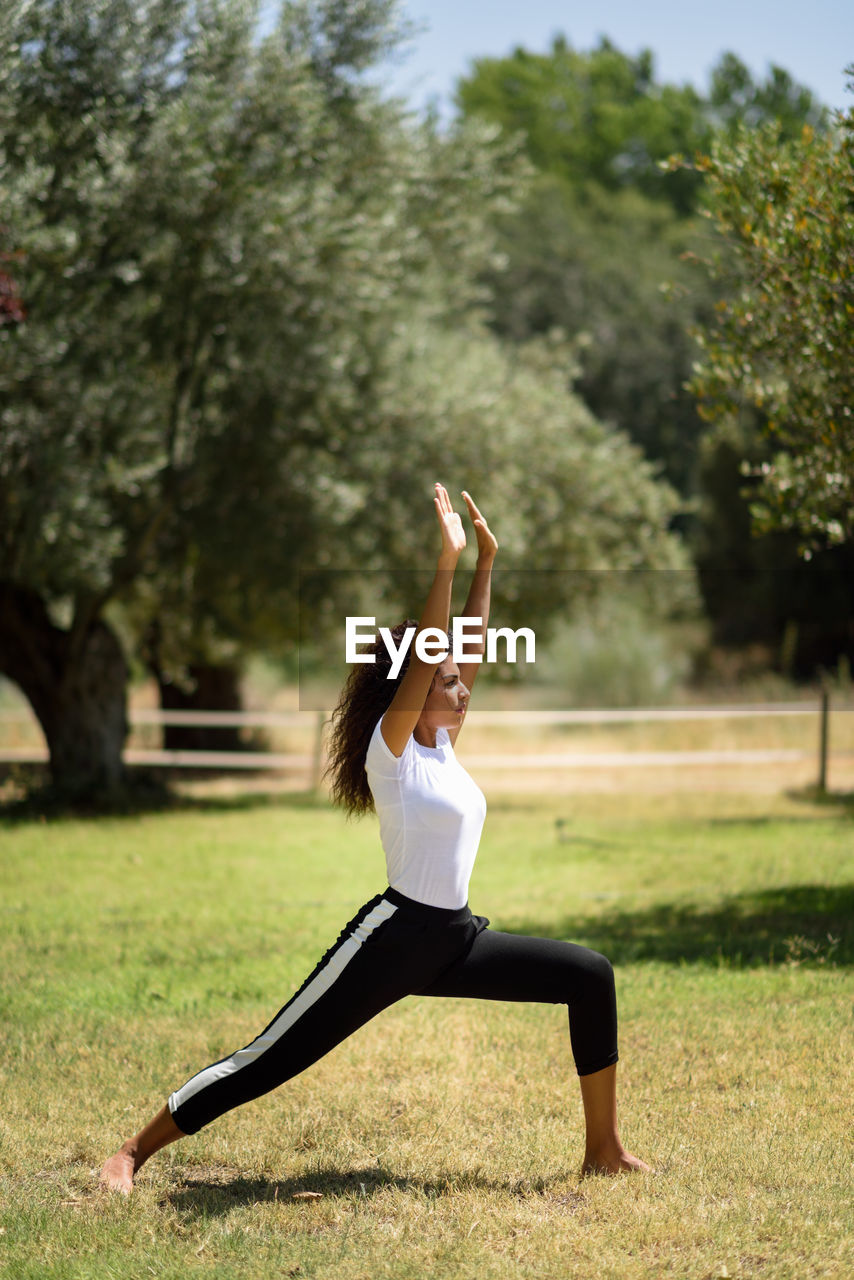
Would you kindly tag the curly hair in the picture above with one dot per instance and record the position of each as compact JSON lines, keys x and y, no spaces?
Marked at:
{"x":365,"y":697}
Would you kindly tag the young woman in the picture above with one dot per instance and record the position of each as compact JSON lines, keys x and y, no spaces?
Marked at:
{"x":392,"y":749}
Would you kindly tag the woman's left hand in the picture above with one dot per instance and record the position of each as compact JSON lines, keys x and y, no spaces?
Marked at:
{"x":487,"y":543}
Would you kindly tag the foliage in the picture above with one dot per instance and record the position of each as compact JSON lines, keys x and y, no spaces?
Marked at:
{"x":736,"y":101}
{"x":222,"y":248}
{"x":599,"y":247}
{"x":566,"y":495}
{"x":603,"y":248}
{"x":781,"y":343}
{"x":240,"y":297}
{"x":609,"y":271}
{"x":213,"y":238}
{"x":595,"y":117}
{"x":603,"y":118}
{"x":758,"y":590}
{"x":566,"y":491}
{"x":617,"y":651}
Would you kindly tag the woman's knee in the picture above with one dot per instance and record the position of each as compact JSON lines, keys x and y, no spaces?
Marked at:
{"x":598,"y":975}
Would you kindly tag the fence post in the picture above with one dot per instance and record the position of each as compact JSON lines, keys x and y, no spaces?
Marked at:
{"x":822,"y":741}
{"x":317,"y":760}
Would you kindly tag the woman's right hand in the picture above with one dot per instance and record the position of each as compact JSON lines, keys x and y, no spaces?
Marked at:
{"x":453,"y":533}
{"x":404,"y":712}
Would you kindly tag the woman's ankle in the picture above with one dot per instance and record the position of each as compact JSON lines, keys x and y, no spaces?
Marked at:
{"x":603,"y":1151}
{"x":611,"y":1159}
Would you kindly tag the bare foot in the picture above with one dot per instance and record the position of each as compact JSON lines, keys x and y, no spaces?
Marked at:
{"x":117,"y":1173}
{"x":613,"y":1162}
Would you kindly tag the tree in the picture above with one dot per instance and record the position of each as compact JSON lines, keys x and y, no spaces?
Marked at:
{"x":782,"y":341}
{"x":599,"y":247}
{"x":205,"y":228}
{"x":603,"y":118}
{"x":603,"y":250}
{"x":597,"y":117}
{"x":610,"y":273}
{"x":236,"y":259}
{"x":763,"y":599}
{"x":596,"y":249}
{"x":736,"y":101}
{"x":576,"y":505}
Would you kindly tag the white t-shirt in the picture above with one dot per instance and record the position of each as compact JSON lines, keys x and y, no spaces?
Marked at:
{"x":431,"y":815}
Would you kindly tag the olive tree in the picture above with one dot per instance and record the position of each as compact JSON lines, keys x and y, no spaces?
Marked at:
{"x":781,"y":343}
{"x":244,"y":312}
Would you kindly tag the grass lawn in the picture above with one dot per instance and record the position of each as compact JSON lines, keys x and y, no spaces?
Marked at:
{"x":445,"y":1137}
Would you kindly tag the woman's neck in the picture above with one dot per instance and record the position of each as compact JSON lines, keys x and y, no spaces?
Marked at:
{"x":424,"y":735}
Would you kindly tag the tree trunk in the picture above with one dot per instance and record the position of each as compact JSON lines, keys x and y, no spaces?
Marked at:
{"x":209,"y":688}
{"x":77,"y":687}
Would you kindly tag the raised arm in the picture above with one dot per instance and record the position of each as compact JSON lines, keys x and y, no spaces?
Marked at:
{"x":406,"y":706}
{"x":477,"y":603}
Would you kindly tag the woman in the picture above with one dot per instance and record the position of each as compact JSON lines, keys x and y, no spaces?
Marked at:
{"x":392,"y":749}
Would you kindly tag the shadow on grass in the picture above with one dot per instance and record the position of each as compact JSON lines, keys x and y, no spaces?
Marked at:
{"x":841,"y":801}
{"x":807,"y":924}
{"x":246,"y":801}
{"x":144,"y":793}
{"x":204,"y":1196}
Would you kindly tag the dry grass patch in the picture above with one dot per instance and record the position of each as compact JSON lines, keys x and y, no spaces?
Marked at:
{"x":444,"y":1139}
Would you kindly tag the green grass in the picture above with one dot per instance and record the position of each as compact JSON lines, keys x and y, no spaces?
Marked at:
{"x":446,"y":1136}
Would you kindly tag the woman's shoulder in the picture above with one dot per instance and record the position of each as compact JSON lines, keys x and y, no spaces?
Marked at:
{"x":380,"y":757}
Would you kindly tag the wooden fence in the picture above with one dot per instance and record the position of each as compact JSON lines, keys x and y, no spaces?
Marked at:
{"x":312,"y":762}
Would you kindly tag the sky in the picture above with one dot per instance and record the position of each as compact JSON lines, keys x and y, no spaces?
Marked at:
{"x":813,"y":41}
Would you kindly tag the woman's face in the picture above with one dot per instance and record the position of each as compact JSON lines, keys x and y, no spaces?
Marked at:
{"x":447,"y":700}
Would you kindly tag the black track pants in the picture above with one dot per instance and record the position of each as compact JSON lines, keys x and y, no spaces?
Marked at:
{"x":396,"y":947}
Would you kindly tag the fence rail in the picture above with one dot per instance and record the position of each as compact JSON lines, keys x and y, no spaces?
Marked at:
{"x":312,"y":762}
{"x":620,"y":715}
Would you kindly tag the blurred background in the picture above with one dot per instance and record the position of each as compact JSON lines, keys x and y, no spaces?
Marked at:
{"x":267,"y":271}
